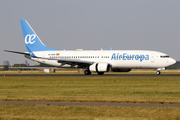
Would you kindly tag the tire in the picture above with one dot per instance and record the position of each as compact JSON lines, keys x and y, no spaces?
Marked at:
{"x":158,"y":72}
{"x":87,"y":72}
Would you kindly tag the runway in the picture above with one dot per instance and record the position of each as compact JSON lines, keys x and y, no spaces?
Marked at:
{"x":93,"y":75}
{"x":89,"y":104}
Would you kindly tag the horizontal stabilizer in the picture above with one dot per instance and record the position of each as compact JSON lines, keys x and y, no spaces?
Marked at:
{"x":24,"y":53}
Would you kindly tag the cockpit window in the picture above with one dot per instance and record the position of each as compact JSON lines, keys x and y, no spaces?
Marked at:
{"x":164,"y":56}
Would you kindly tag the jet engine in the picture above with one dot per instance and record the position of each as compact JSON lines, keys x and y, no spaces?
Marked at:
{"x":100,"y":67}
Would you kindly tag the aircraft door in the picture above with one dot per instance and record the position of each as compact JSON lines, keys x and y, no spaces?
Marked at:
{"x":43,"y":55}
{"x":152,"y":57}
{"x":101,"y":58}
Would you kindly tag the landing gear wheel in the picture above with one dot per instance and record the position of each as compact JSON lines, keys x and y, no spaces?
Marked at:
{"x":100,"y":73}
{"x":87,"y":72}
{"x":158,"y":72}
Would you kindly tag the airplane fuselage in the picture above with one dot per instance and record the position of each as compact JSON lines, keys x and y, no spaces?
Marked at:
{"x":116,"y":58}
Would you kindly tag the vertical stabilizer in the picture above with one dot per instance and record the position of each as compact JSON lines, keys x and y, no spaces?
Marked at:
{"x":32,"y":41}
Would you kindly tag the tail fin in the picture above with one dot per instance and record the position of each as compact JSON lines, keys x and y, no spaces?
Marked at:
{"x":32,"y":41}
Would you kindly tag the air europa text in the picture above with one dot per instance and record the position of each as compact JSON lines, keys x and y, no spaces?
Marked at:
{"x":125,"y":56}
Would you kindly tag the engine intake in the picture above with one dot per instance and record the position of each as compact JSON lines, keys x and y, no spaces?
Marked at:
{"x":100,"y":67}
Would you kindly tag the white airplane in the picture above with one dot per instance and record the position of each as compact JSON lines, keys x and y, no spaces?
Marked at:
{"x":99,"y":61}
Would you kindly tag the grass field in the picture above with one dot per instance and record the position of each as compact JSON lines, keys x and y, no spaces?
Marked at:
{"x":47,"y":112}
{"x":92,"y":89}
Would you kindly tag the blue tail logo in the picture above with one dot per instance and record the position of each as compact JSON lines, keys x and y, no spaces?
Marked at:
{"x":29,"y":38}
{"x":32,"y":41}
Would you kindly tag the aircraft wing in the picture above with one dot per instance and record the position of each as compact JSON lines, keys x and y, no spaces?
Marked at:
{"x":24,"y":53}
{"x":80,"y":63}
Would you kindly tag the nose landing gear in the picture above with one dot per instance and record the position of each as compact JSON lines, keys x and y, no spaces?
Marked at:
{"x":158,"y":72}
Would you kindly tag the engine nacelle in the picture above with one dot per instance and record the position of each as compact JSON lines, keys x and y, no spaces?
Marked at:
{"x":100,"y":67}
{"x":120,"y":70}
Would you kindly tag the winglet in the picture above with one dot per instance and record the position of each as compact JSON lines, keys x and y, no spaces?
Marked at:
{"x":110,"y":48}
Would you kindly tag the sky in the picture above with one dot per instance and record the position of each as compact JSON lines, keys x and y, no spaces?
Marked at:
{"x":91,"y":25}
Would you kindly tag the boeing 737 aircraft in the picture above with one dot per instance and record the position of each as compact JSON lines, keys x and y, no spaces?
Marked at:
{"x":99,"y":61}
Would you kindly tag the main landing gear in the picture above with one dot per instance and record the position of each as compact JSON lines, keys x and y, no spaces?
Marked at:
{"x":87,"y":72}
{"x":158,"y":72}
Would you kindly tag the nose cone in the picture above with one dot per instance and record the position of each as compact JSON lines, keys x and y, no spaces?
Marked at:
{"x":172,"y":61}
